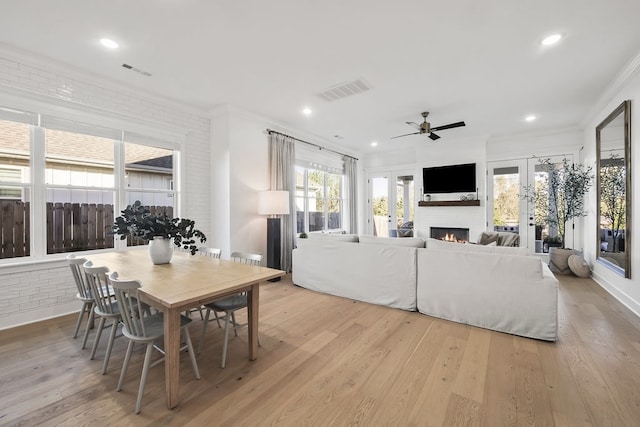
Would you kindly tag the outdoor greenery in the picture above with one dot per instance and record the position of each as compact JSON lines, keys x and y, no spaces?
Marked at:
{"x":138,"y":221}
{"x":613,"y":207}
{"x":558,"y":195}
{"x":506,"y":204}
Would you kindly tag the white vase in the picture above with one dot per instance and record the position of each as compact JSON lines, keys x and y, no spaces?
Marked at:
{"x":160,"y":250}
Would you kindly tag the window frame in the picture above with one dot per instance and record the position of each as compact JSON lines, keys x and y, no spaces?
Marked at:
{"x":146,"y":133}
{"x":325,"y":199}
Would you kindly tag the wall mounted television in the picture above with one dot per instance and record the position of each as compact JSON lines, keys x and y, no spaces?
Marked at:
{"x":449,"y":179}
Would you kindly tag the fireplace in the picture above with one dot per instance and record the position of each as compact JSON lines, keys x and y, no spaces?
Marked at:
{"x":453,"y":234}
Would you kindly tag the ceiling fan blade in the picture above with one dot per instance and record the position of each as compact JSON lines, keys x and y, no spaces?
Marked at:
{"x":407,"y":134}
{"x":433,"y":136}
{"x":415,"y":125}
{"x":449,"y":126}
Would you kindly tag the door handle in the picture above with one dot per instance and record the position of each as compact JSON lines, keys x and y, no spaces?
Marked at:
{"x":531,"y":224}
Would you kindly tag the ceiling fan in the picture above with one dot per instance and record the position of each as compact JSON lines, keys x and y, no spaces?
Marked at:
{"x":425,"y":128}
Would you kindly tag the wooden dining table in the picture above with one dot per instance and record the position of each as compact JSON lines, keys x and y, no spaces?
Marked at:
{"x":187,"y":281}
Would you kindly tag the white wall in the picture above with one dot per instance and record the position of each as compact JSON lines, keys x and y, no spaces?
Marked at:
{"x":30,"y":292}
{"x":626,"y":290}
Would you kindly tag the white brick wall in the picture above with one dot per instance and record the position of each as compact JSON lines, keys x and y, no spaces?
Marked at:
{"x":33,"y":292}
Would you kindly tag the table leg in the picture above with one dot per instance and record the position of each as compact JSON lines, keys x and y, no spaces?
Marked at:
{"x":172,"y":355}
{"x":253,"y":302}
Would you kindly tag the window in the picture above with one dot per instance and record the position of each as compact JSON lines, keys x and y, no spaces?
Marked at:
{"x":319,"y":202}
{"x":15,"y":188}
{"x":84,"y":173}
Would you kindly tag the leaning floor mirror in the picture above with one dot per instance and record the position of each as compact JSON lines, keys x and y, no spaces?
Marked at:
{"x":613,"y":182}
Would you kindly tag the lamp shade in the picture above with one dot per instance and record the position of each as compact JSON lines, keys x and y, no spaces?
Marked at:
{"x":273,"y":202}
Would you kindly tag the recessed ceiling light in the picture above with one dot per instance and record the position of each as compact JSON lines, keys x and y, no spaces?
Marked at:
{"x":108,"y":43}
{"x":307,"y":111}
{"x":530,"y":118}
{"x":552,"y":39}
{"x":374,"y":144}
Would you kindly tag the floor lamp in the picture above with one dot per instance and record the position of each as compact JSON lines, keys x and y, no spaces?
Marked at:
{"x":273,"y":203}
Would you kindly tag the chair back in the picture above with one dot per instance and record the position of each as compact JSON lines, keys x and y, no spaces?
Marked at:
{"x":98,"y":283}
{"x":210,"y":252}
{"x":246,"y":258}
{"x":78,"y":276}
{"x":131,"y":309}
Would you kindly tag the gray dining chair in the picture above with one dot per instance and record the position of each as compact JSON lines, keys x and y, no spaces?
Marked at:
{"x":229,"y":305}
{"x":145,"y":329}
{"x":105,"y":307}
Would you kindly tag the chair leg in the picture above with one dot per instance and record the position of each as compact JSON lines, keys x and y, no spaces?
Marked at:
{"x":204,"y":329}
{"x":192,"y":355}
{"x":234,"y":323}
{"x":217,"y":318}
{"x":96,"y":340}
{"x":226,"y":340}
{"x":112,"y":337}
{"x":79,"y":321}
{"x":143,"y":379}
{"x":125,"y":365}
{"x":89,"y":324}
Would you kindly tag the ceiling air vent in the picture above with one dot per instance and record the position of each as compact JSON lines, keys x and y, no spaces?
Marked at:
{"x":344,"y":89}
{"x":137,"y":70}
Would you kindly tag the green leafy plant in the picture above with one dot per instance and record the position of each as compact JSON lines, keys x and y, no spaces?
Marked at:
{"x":560,"y":198}
{"x":138,"y":221}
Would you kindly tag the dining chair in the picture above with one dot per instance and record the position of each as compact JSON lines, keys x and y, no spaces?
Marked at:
{"x":229,"y":305}
{"x":144,"y":329}
{"x":212,"y":253}
{"x":84,"y":295}
{"x":105,"y":307}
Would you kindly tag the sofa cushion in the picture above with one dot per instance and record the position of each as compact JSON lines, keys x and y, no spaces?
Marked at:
{"x":412,"y":242}
{"x":335,"y":237}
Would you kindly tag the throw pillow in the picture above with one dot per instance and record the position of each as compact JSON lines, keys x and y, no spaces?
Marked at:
{"x":488,"y":237}
{"x":579,"y":266}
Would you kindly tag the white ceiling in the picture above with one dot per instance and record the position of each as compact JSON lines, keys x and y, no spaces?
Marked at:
{"x":471,"y":60}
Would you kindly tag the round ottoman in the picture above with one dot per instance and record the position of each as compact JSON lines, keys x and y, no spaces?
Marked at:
{"x":579,"y":266}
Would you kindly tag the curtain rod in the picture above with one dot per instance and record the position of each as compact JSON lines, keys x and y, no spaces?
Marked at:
{"x":270,"y":131}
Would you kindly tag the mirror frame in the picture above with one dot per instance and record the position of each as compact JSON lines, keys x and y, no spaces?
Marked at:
{"x":623,"y":109}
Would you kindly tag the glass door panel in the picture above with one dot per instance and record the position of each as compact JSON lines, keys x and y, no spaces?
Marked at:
{"x":546,"y":235}
{"x":392,"y":204}
{"x":507,"y":210}
{"x":380,"y":217}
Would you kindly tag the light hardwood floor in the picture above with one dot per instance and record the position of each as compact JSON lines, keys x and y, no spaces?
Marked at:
{"x":332,"y":361}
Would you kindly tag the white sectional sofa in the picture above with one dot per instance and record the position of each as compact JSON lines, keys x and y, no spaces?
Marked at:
{"x":493,"y":287}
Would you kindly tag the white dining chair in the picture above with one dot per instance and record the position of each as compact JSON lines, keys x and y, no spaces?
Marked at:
{"x":84,"y":295}
{"x":144,"y":329}
{"x":105,"y":307}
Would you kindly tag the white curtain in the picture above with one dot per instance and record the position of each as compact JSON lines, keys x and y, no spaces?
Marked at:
{"x":282,"y":159}
{"x":351,"y":175}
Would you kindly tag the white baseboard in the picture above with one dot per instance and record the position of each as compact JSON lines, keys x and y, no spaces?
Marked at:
{"x":627,"y":301}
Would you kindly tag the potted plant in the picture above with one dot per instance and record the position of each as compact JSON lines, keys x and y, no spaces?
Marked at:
{"x":159,"y":229}
{"x":559,"y":198}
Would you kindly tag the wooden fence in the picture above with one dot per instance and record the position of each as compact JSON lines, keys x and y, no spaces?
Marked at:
{"x":70,"y":227}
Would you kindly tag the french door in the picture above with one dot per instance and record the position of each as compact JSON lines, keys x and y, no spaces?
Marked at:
{"x":391,"y":202}
{"x":509,"y":210}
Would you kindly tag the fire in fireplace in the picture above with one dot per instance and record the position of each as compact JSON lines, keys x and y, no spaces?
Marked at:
{"x":450,"y":234}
